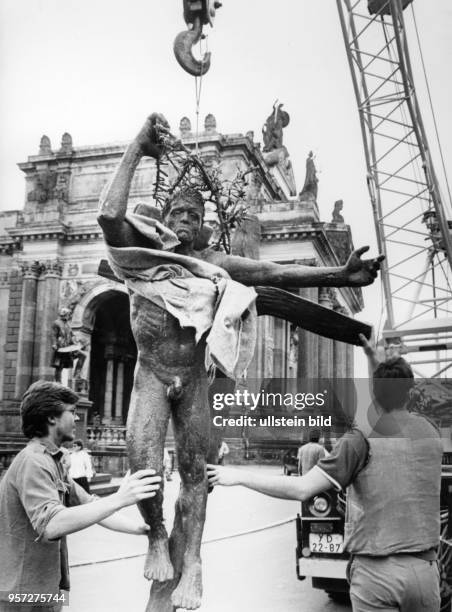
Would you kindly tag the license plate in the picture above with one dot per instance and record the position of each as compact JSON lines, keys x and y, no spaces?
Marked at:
{"x":326,"y":542}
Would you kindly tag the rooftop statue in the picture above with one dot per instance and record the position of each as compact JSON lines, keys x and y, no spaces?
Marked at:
{"x":272,"y":132}
{"x":189,"y":308}
{"x":310,"y":187}
{"x":337,"y":216}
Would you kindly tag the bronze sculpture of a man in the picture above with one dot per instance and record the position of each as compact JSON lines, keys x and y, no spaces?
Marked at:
{"x":170,"y":284}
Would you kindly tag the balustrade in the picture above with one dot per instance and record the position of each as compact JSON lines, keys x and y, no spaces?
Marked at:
{"x":105,"y":435}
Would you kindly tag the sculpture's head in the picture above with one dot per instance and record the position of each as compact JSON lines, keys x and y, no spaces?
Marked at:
{"x":64,"y":314}
{"x":183,"y":213}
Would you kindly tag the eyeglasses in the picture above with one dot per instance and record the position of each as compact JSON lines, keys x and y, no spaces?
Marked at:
{"x":73,"y":410}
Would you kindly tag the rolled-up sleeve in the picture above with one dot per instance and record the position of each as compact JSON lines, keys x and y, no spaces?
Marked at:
{"x":348,"y":457}
{"x":39,"y":492}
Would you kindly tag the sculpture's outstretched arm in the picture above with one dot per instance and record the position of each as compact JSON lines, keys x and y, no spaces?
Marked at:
{"x":356,"y":272}
{"x":113,"y":201}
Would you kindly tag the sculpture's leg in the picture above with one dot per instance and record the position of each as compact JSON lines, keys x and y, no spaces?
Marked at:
{"x":160,"y":599}
{"x":146,"y":430}
{"x":192,"y":426}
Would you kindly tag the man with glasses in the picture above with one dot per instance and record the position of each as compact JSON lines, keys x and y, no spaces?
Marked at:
{"x":40,"y":504}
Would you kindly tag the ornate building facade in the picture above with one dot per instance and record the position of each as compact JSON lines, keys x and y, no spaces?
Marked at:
{"x":50,"y":252}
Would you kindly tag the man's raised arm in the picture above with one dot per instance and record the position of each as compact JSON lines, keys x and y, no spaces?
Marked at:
{"x":356,"y":272}
{"x":113,"y":201}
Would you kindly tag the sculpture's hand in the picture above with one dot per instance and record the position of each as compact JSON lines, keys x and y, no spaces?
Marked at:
{"x":361,"y":272}
{"x":152,"y":135}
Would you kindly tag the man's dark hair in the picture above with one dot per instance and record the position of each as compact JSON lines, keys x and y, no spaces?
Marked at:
{"x":392,"y":381}
{"x":78,"y":443}
{"x":185,"y":193}
{"x":314,"y":435}
{"x":40,"y":401}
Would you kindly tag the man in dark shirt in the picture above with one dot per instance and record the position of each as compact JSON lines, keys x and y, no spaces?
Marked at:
{"x":309,"y":454}
{"x":40,"y":504}
{"x":393,"y":479}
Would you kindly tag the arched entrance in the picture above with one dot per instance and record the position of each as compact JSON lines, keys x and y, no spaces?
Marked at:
{"x":113,"y":357}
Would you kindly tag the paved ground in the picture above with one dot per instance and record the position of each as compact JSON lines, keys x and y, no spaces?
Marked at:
{"x":254,"y":572}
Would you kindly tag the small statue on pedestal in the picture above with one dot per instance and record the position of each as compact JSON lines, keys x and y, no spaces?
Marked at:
{"x":65,"y":347}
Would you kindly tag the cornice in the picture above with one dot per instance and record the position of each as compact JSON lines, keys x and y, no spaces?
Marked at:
{"x":51,"y":231}
{"x":84,"y":234}
{"x":9,"y":245}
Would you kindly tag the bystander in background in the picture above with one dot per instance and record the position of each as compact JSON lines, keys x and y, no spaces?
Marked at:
{"x":80,"y":468}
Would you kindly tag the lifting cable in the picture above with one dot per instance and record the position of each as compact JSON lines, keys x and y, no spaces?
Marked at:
{"x":198,"y":91}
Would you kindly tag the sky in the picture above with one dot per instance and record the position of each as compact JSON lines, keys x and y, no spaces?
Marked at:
{"x":96,"y":69}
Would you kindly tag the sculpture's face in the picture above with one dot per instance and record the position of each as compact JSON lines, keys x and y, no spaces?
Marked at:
{"x":185,"y":220}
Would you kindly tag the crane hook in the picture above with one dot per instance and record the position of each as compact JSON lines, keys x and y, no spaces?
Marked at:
{"x":197,"y":13}
{"x":183,"y":50}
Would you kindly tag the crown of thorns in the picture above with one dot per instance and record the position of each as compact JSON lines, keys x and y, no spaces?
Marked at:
{"x":200,"y":184}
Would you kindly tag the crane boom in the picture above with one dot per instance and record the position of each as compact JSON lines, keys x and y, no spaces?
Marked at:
{"x":410,"y":215}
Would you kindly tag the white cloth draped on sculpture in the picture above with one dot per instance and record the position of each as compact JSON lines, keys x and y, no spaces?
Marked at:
{"x":199,"y":294}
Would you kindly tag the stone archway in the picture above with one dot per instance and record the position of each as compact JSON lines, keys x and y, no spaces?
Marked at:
{"x":101,"y":321}
{"x":113,"y":357}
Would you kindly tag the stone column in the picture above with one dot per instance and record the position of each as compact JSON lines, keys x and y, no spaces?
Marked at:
{"x":46,"y":314}
{"x":293,"y":342}
{"x":30,"y":271}
{"x":119,"y":417}
{"x":340,"y":352}
{"x":325,"y":344}
{"x":108,"y":397}
{"x":268,"y":361}
{"x":308,"y":345}
{"x":343,"y":388}
{"x":4,"y":303}
{"x":350,"y":367}
{"x":279,"y":349}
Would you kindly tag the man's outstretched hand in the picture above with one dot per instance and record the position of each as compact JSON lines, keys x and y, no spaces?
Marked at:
{"x":151,"y":137}
{"x":370,"y":351}
{"x":361,"y":272}
{"x":220,"y":475}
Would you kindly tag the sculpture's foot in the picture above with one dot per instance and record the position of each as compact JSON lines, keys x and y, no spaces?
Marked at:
{"x":158,"y":565}
{"x":160,"y":597}
{"x":189,"y":590}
